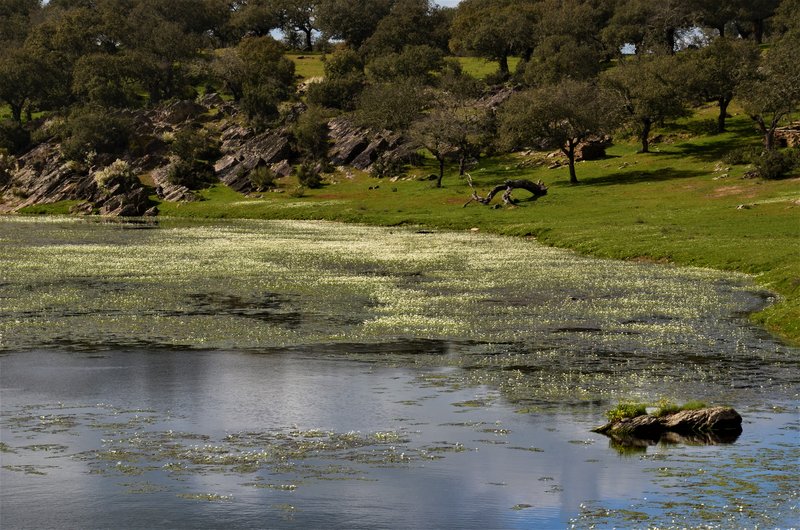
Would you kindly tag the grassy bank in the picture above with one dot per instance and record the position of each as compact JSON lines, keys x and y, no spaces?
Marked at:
{"x":679,"y":204}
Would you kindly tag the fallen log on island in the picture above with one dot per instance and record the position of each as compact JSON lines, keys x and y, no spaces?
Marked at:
{"x":707,"y":425}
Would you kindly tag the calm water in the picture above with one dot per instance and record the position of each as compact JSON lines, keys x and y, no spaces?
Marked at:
{"x":311,"y":375}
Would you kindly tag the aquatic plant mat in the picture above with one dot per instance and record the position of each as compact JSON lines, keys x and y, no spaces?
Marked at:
{"x":308,"y":374}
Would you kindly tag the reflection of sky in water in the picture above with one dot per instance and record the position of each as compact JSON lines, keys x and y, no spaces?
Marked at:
{"x":219,"y":393}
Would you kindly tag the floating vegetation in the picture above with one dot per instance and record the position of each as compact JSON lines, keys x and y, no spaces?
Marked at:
{"x":207,"y":497}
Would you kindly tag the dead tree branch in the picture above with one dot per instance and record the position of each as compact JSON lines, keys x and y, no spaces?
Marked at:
{"x":537,"y":189}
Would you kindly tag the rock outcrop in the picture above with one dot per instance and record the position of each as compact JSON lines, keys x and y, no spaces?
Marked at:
{"x":360,"y":147}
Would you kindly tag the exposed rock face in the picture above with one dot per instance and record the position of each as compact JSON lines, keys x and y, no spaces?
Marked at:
{"x":360,"y":147}
{"x":243,"y":150}
{"x":710,"y":425}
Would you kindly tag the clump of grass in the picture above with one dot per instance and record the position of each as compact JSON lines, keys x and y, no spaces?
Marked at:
{"x":665,"y":408}
{"x":626,"y":410}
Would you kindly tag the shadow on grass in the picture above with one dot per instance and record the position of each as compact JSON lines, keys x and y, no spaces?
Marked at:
{"x":636,"y":177}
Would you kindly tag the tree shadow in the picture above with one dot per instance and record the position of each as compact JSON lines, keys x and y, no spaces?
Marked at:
{"x":636,"y":177}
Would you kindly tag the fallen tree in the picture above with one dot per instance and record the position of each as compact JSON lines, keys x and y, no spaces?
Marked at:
{"x":537,"y":189}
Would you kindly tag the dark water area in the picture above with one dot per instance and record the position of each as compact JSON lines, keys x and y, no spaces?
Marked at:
{"x":309,"y":375}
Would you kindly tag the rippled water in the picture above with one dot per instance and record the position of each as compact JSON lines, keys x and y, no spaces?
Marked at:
{"x":312,"y":374}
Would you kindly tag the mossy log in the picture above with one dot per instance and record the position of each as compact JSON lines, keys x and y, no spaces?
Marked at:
{"x":714,"y":424}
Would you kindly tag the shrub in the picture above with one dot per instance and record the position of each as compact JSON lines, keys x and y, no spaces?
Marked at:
{"x":262,"y":178}
{"x":386,"y":167}
{"x":311,"y":133}
{"x":89,"y":129}
{"x":193,"y":176}
{"x":6,"y":166}
{"x":194,"y":145}
{"x":774,"y":164}
{"x":119,"y":173}
{"x":741,"y":156}
{"x":13,"y":137}
{"x":309,"y":175}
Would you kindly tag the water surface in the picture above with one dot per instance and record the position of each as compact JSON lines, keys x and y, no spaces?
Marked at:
{"x":311,"y":374}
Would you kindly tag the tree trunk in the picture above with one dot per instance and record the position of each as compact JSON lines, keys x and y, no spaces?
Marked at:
{"x":569,"y":150}
{"x":723,"y":112}
{"x":16,"y":112}
{"x":538,"y":189}
{"x":503,"y":60}
{"x":462,"y":165}
{"x":441,"y":172}
{"x":670,"y":40}
{"x":758,"y":31}
{"x":646,"y":124}
{"x":309,"y":44}
{"x":767,"y":132}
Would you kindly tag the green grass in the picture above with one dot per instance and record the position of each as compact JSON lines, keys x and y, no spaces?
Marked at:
{"x":672,"y":205}
{"x":5,"y":112}
{"x":308,"y":65}
{"x":312,"y":64}
{"x":56,"y":208}
{"x":481,"y":68}
{"x":626,"y":410}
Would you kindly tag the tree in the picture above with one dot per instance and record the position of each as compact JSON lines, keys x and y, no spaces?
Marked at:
{"x":417,"y":62}
{"x":648,"y":90}
{"x":105,"y":79}
{"x":353,"y":21}
{"x":255,"y":17}
{"x":20,"y":80}
{"x":752,"y":17}
{"x":266,"y":78}
{"x":410,"y":23}
{"x":453,"y":128}
{"x":774,"y":93}
{"x":15,"y":20}
{"x":559,"y":116}
{"x":787,"y":17}
{"x":311,"y":134}
{"x":720,"y":69}
{"x":493,"y":29}
{"x":393,"y":106}
{"x":648,"y":25}
{"x":343,"y":82}
{"x":299,"y":16}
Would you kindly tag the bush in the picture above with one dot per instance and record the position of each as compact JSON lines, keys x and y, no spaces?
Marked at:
{"x":309,"y":175}
{"x":311,"y":133}
{"x":194,"y":145}
{"x":775,"y":164}
{"x":13,"y":137}
{"x":193,"y":176}
{"x":89,"y":129}
{"x":119,"y":173}
{"x":386,"y":167}
{"x":262,"y":178}
{"x":741,"y":156}
{"x":6,"y":166}
{"x":339,"y":93}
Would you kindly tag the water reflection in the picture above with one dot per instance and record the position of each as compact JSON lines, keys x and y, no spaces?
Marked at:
{"x":191,"y":439}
